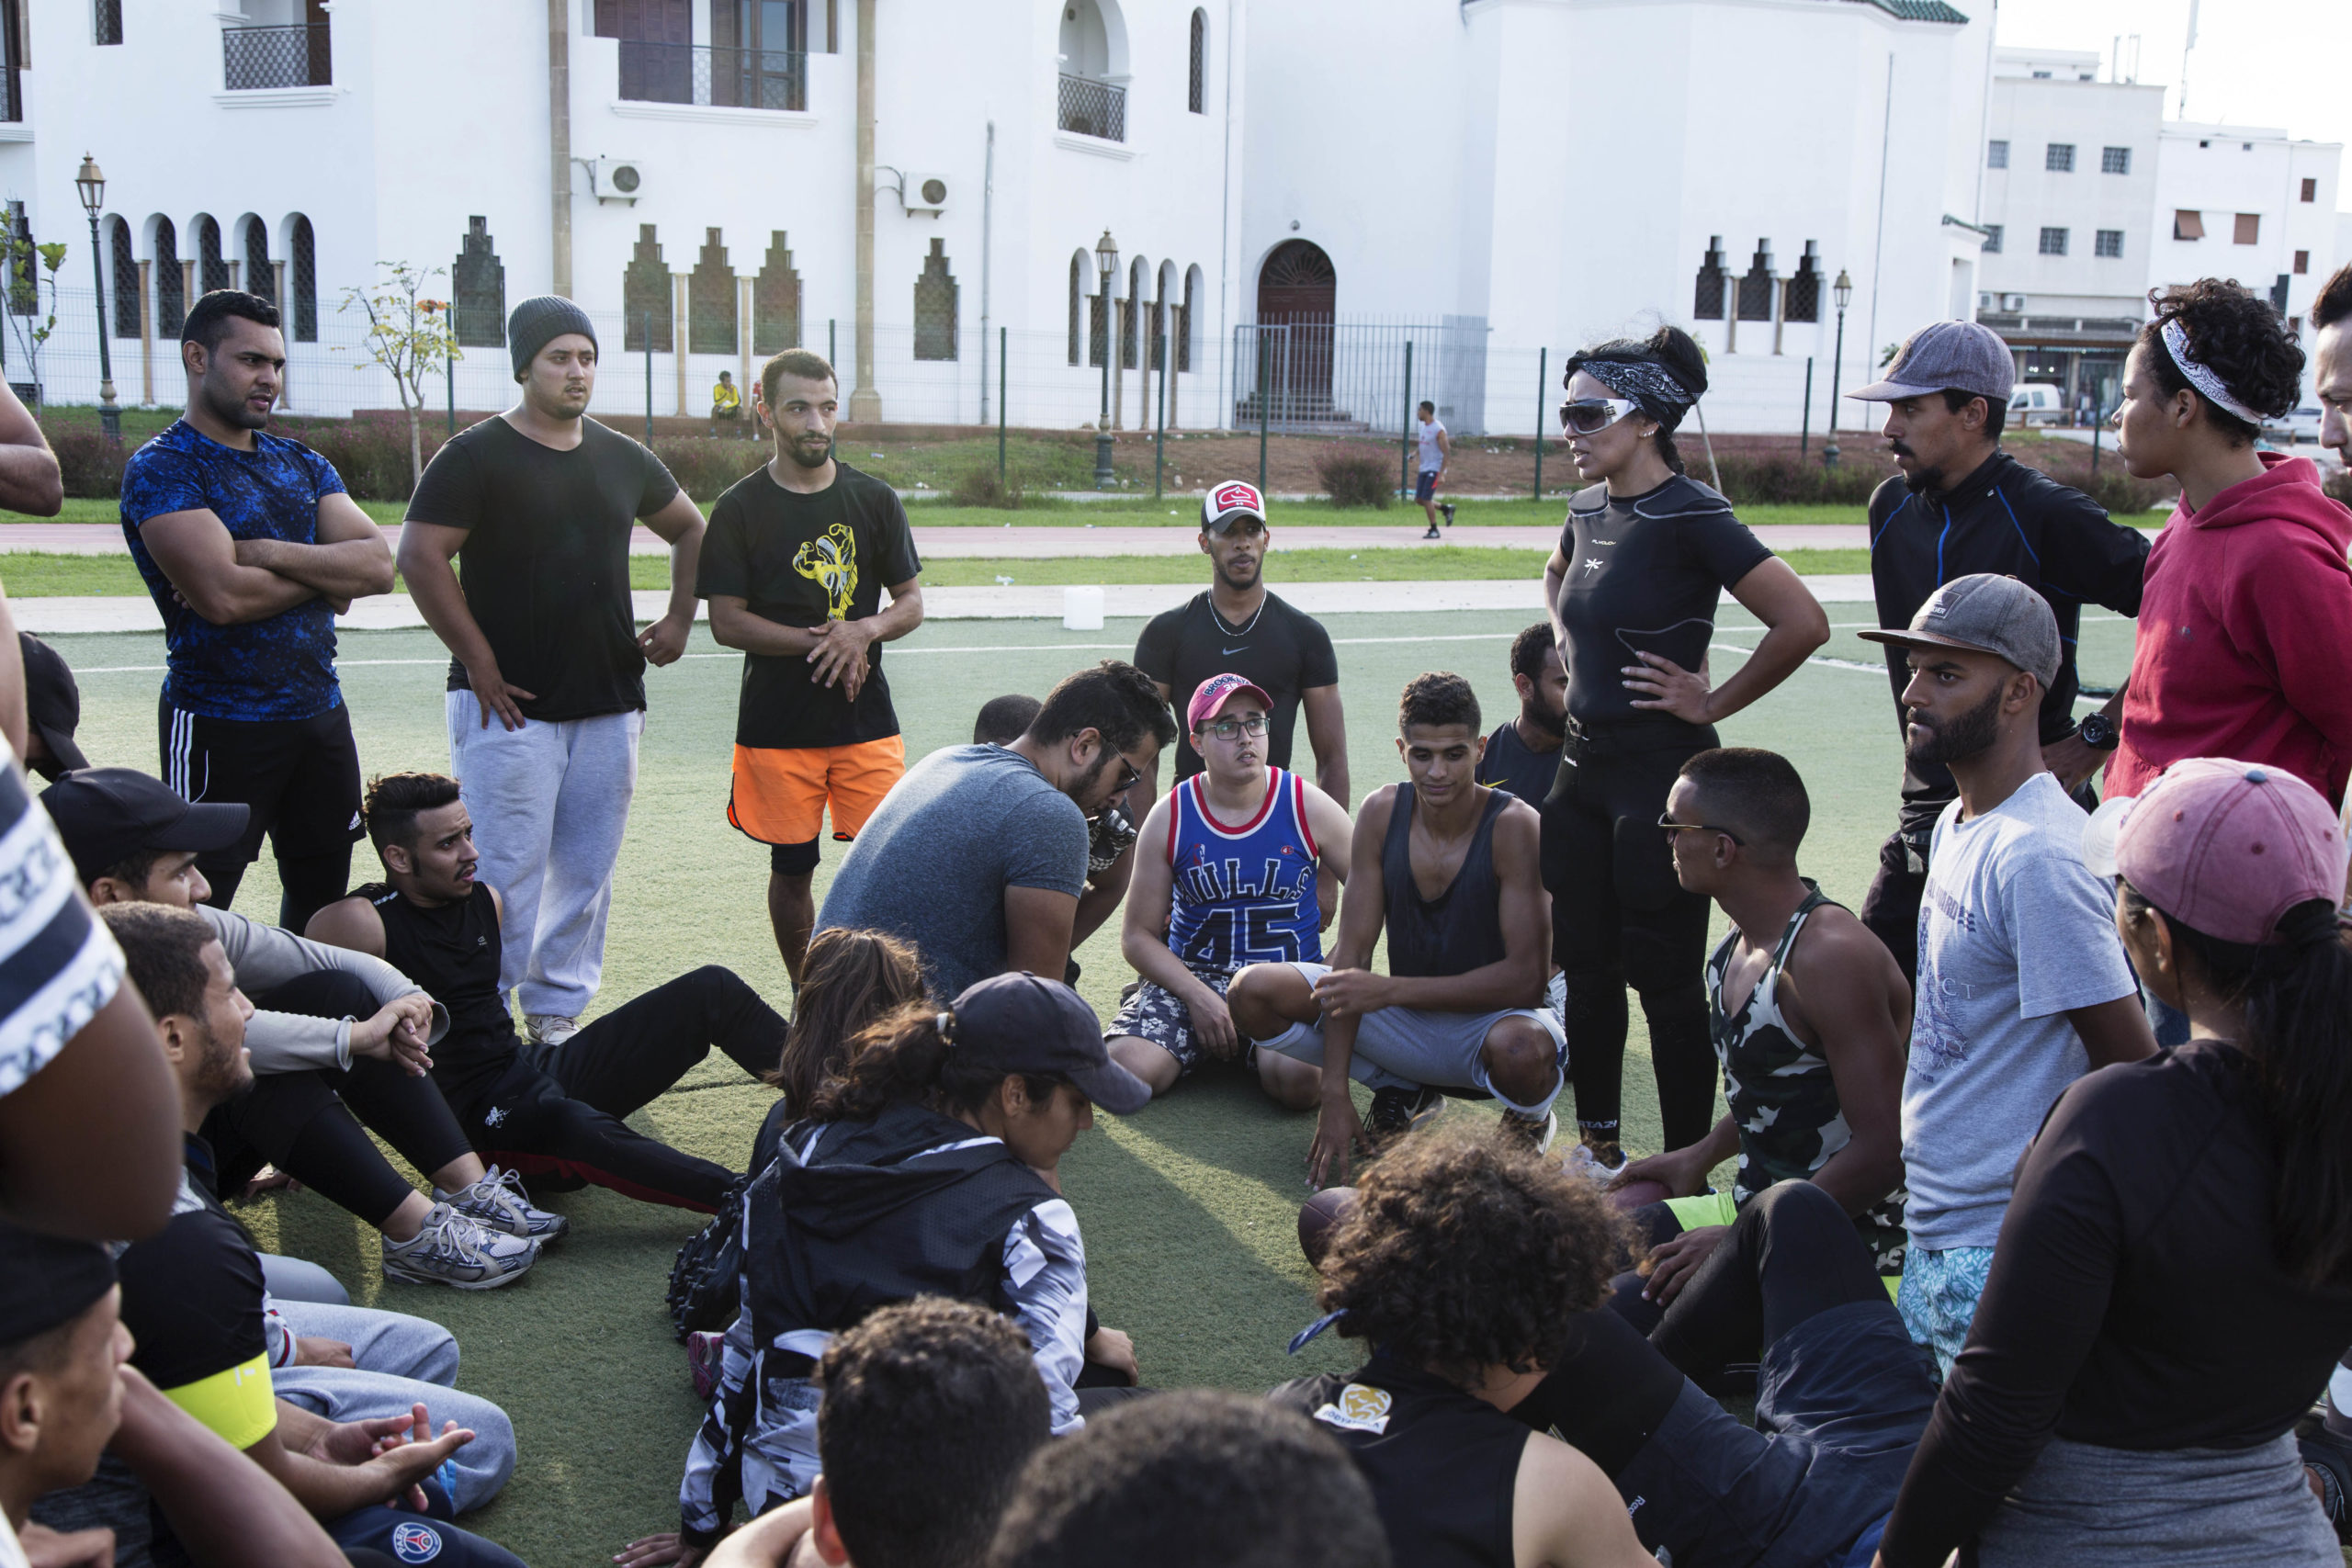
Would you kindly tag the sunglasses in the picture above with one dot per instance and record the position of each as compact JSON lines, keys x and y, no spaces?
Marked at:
{"x":1133,"y":775}
{"x":1589,"y":416}
{"x":1671,"y":827}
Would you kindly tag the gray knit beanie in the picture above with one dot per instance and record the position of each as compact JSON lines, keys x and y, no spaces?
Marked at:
{"x":538,"y":322}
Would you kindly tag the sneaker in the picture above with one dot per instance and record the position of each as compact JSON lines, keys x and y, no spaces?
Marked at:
{"x":497,"y":1202}
{"x":1432,"y":534}
{"x":1595,"y":1167}
{"x":1447,"y":507}
{"x":1395,"y":1112}
{"x":2328,"y":1459}
{"x":550,"y":1028}
{"x":453,"y":1250}
{"x":703,"y":1353}
{"x":1532,"y":1134}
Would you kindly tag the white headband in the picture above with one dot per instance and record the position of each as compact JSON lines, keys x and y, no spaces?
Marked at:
{"x":2177,"y":344}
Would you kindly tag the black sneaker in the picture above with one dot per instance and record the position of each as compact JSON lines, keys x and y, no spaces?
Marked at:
{"x":1533,"y":1134}
{"x":1399,"y":1111}
{"x":2329,"y":1458}
{"x":1432,"y":534}
{"x":1447,"y":507}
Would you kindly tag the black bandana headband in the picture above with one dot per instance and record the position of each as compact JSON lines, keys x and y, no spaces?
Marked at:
{"x":1660,"y":393}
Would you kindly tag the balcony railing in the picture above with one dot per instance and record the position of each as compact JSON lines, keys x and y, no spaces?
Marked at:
{"x":718,"y":75}
{"x":1093,"y":109}
{"x":252,"y":58}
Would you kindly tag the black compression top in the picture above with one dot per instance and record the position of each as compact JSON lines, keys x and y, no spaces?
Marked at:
{"x":452,"y":951}
{"x":1508,"y":765}
{"x":1462,"y":928}
{"x":1644,"y":574}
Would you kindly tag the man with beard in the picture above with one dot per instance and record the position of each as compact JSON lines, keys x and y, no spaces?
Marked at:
{"x":1963,"y":505}
{"x":1522,"y":756}
{"x":2023,"y":985}
{"x":793,"y":566}
{"x":251,"y":548}
{"x":537,"y":506}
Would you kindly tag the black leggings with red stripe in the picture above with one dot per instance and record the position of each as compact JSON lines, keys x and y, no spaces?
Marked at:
{"x":557,"y":1110}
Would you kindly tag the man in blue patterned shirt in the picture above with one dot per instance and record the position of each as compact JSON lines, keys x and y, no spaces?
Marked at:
{"x":251,"y":548}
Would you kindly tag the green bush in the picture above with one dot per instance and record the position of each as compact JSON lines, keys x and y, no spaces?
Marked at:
{"x":980,"y":486}
{"x":91,"y":464}
{"x":1785,"y":480}
{"x":1353,"y":477}
{"x":706,"y":465}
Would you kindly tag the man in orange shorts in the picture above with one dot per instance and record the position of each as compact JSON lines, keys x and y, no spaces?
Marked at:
{"x":794,"y":564}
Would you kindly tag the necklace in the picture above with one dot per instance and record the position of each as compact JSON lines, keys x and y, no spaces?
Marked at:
{"x":1227,"y":626}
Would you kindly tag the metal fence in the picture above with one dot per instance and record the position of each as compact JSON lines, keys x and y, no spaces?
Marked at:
{"x":729,"y":77}
{"x":256,"y":58}
{"x":1308,"y":374}
{"x":1093,"y":109}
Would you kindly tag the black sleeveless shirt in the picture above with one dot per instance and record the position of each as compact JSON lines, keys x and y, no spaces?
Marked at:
{"x":1462,"y":928}
{"x":452,"y":951}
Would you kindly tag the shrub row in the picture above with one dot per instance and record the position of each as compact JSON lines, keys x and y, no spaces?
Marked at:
{"x":1353,"y":477}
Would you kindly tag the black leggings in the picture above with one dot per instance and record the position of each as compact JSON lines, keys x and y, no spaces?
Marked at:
{"x":308,"y":1125}
{"x":1619,"y":917}
{"x":557,"y":1110}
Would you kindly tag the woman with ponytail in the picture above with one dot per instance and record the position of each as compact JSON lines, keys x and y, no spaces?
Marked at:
{"x":2172,"y":1283}
{"x":1642,"y":561}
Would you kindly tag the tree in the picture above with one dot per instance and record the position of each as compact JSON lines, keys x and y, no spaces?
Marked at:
{"x":28,"y":266}
{"x":408,"y":336}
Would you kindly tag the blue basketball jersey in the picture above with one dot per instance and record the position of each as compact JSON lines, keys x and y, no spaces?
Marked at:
{"x":1244,"y":893}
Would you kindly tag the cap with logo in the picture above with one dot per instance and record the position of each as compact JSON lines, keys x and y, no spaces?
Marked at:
{"x":1958,"y":356}
{"x":52,"y":703}
{"x":2223,"y":847}
{"x":1985,"y":614}
{"x":1213,"y":693}
{"x":1229,"y":503}
{"x":1022,"y":1023}
{"x":108,"y":815}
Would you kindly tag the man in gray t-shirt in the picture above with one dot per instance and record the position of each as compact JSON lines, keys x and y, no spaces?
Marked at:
{"x":978,"y":855}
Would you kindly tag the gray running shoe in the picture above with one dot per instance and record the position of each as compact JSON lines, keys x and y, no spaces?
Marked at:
{"x":498,"y":1203}
{"x":550,"y":1028}
{"x":452,"y":1250}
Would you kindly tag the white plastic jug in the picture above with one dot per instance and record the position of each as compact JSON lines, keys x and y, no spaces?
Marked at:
{"x":1082,"y":609}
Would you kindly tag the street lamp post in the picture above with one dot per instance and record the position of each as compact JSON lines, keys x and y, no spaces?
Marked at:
{"x":1843,"y":291}
{"x":1106,"y":260}
{"x":92,"y":185}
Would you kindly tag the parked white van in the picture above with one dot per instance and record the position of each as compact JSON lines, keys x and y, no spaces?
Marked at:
{"x":2038,"y":403}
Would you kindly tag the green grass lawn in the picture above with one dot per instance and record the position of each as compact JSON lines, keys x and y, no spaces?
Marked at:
{"x":1189,"y":1207}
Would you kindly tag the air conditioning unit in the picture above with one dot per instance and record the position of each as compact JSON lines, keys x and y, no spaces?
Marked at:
{"x":924,"y":193}
{"x":1986,"y":301}
{"x":616,"y":179}
{"x":2012,"y":301}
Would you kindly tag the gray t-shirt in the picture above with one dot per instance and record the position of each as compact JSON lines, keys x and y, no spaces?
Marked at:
{"x":932,"y":865}
{"x":2014,"y":934}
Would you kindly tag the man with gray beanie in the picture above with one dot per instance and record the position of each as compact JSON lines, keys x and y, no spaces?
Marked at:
{"x":546,"y":669}
{"x":1960,"y":505}
{"x":2023,"y":986}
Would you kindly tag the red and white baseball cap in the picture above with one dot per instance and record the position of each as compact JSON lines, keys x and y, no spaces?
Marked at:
{"x":2224,"y":846}
{"x":1211,"y":695}
{"x":1227,"y":503}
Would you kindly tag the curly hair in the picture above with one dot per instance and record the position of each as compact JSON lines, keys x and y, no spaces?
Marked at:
{"x":2234,"y":333}
{"x":1529,"y":649}
{"x":1436,"y":699}
{"x":1463,"y":1254}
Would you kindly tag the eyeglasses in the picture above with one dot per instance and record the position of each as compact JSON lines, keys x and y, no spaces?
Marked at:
{"x":1672,"y":828}
{"x":1589,"y":416}
{"x":1233,"y":728}
{"x":1134,"y":775}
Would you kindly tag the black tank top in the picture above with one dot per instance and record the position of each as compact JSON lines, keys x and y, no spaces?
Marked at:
{"x":1462,"y":928}
{"x":1443,"y":1465}
{"x":452,"y":952}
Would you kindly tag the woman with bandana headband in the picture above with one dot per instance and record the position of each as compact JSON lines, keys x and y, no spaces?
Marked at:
{"x":1645,"y":557}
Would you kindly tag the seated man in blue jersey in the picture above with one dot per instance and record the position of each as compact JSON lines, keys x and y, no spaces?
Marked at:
{"x":1449,"y":867}
{"x":1239,"y":864}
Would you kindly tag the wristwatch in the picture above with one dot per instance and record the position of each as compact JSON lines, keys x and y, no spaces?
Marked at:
{"x":2099,"y":732}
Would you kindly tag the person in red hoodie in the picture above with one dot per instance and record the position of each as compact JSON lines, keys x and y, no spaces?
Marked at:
{"x":2246,"y":623}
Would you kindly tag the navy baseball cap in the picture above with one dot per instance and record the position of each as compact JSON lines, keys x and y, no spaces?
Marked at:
{"x":1023,"y":1023}
{"x":108,"y":815}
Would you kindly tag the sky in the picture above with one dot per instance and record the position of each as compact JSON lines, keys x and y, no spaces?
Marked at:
{"x":2283,"y":63}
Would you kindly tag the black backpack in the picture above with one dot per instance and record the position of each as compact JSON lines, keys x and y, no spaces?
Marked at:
{"x":706,"y":1282}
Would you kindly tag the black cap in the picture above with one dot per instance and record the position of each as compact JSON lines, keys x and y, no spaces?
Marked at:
{"x":46,"y":1281}
{"x":53,"y":704}
{"x":107,"y":815}
{"x":1026,"y":1024}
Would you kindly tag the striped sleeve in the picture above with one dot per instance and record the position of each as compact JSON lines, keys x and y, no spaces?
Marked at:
{"x":59,"y":963}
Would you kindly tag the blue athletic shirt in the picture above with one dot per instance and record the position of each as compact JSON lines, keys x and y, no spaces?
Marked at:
{"x":282,"y":668}
{"x":1243,"y":894}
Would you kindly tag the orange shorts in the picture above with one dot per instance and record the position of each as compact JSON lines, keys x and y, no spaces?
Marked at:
{"x":781,"y":794}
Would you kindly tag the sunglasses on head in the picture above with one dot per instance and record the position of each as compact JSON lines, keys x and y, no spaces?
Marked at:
{"x":1589,"y":416}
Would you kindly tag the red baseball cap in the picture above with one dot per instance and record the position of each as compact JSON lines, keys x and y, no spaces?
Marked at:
{"x":2224,"y":846}
{"x":1229,"y":503}
{"x":1216,"y":691}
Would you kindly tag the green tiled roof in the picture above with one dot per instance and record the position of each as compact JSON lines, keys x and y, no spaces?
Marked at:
{"x":1919,"y":10}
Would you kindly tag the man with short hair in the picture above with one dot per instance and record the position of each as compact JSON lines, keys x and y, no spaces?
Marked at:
{"x":2023,"y":986}
{"x":1236,"y":624}
{"x":1239,"y":864}
{"x":2332,"y":361}
{"x":1961,"y":505}
{"x":538,"y":507}
{"x":1522,"y":756}
{"x":251,"y":546}
{"x":979,"y":857}
{"x":1436,"y":449}
{"x":1110,"y":833}
{"x":798,"y":553}
{"x":542,"y":1109}
{"x":1450,"y":869}
{"x":726,"y":402}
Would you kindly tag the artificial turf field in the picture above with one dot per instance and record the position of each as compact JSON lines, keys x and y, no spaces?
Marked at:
{"x":1188,"y":1208}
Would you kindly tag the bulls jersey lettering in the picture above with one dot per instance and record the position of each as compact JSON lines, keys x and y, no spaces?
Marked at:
{"x":1243,"y":893}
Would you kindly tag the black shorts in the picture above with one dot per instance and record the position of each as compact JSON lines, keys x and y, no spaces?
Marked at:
{"x":300,"y":776}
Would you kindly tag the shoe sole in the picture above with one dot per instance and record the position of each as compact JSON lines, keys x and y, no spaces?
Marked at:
{"x":424,"y":1278}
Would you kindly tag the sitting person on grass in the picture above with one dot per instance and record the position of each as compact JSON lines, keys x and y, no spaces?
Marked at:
{"x":1449,"y":867}
{"x":1239,"y":864}
{"x":544,"y":1110}
{"x":1809,"y":1014}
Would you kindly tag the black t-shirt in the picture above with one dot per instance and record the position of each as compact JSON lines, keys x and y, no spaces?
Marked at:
{"x":544,"y":564}
{"x":452,"y":951}
{"x":1511,"y":766}
{"x":192,"y":1294}
{"x":2009,"y":519}
{"x":1282,"y":650}
{"x":1644,"y":574}
{"x":800,"y":560}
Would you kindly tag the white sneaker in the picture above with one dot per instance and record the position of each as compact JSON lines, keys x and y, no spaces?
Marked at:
{"x":450,"y":1249}
{"x":1582,"y":1161}
{"x":550,"y":1028}
{"x":497,"y":1202}
{"x":1530,"y":1132}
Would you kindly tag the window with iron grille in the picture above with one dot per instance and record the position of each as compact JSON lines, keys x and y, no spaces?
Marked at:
{"x":171,"y":296}
{"x":1131,"y":317}
{"x":710,"y":300}
{"x":1707,"y":298}
{"x":260,"y":276}
{"x":1197,"y":93}
{"x":1076,"y":292}
{"x":1800,"y":301}
{"x":1996,"y":154}
{"x":1756,"y":285}
{"x":478,"y":290}
{"x":1184,"y":325}
{"x":1098,"y":328}
{"x":936,"y":305}
{"x":2114,"y":161}
{"x":2110,"y":242}
{"x":2058,"y":158}
{"x":107,"y":20}
{"x":211,"y":267}
{"x":126,"y":279}
{"x":2053,"y":241}
{"x":301,"y":280}
{"x":1992,"y":246}
{"x":775,"y":299}
{"x":645,"y":297}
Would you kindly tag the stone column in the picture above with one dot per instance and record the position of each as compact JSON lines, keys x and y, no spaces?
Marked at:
{"x":865,"y":402}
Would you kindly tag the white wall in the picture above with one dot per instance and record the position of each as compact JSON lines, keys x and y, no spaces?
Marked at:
{"x":2027,"y":196}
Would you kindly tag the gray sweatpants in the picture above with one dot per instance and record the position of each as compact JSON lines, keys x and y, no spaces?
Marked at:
{"x":399,"y":1361}
{"x":1409,"y":1048}
{"x":550,"y":803}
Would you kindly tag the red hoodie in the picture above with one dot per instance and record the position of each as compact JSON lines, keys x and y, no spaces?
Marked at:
{"x":2245,"y":647}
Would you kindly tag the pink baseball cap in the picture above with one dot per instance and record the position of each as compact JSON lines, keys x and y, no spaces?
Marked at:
{"x":1215,"y":692}
{"x":2224,"y":846}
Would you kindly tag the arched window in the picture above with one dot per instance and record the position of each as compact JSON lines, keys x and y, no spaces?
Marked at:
{"x":171,"y":294}
{"x":775,"y":299}
{"x":303,"y":279}
{"x":1077,"y":293}
{"x":1756,"y":284}
{"x":645,"y":296}
{"x":478,"y":290}
{"x":1707,"y":298}
{"x":1184,"y":319}
{"x":260,"y":276}
{"x":710,"y":300}
{"x":1197,"y":93}
{"x":1131,"y":317}
{"x":1803,"y":297}
{"x":126,"y":279}
{"x":211,"y":267}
